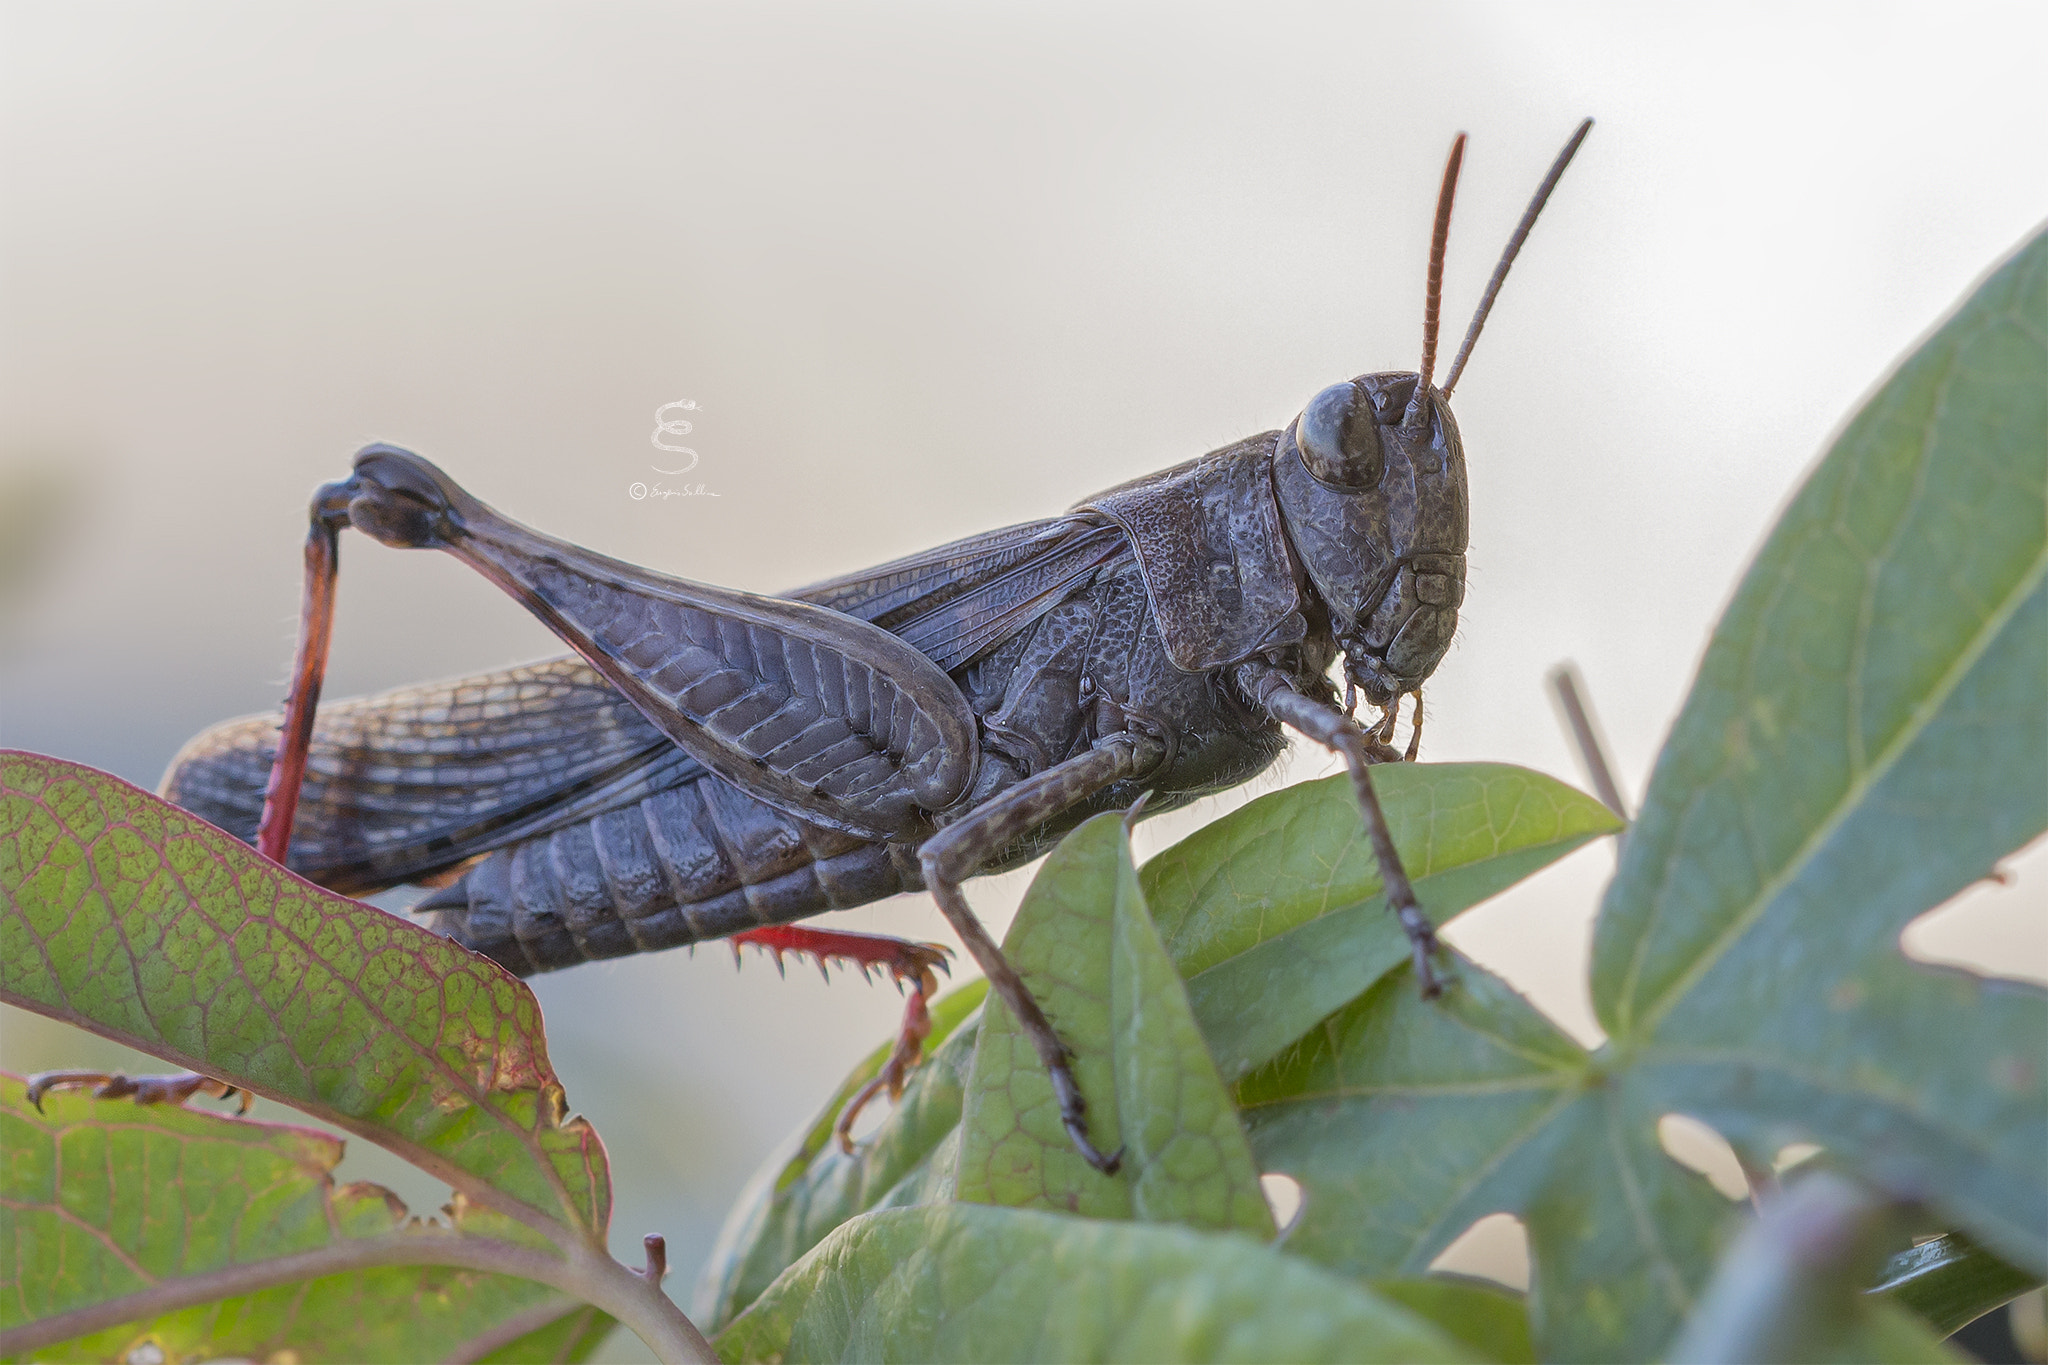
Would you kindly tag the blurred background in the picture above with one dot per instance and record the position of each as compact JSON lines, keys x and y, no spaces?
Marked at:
{"x":927,"y":270}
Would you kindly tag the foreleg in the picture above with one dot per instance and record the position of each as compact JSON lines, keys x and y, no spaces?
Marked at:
{"x":963,"y":848}
{"x":1274,"y":692}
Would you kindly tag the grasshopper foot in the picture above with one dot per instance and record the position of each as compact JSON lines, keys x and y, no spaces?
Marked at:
{"x":175,"y":1088}
{"x":1074,"y":1118}
{"x":915,"y":964}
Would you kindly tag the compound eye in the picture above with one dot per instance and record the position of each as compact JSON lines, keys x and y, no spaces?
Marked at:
{"x":1339,"y":441}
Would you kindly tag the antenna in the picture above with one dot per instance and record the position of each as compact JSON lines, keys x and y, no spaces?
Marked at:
{"x":1507,"y":258}
{"x":1433,"y":299}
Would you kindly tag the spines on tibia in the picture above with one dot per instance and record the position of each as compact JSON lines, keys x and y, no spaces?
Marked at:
{"x":699,"y":861}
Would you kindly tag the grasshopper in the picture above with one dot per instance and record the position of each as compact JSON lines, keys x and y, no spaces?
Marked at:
{"x":717,"y":764}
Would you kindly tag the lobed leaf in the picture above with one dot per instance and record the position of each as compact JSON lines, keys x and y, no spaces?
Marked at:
{"x":1407,"y":1120}
{"x":1084,"y":943}
{"x":127,"y":916}
{"x":1866,"y":737}
{"x":960,"y":1282}
{"x":110,"y":1205}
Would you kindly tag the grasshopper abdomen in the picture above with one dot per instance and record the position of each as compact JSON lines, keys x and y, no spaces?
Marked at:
{"x":700,"y":861}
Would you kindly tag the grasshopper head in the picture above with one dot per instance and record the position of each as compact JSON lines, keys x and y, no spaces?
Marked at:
{"x":1373,"y":497}
{"x":1371,"y":480}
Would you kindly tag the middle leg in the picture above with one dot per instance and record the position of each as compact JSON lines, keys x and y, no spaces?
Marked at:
{"x":965,"y":847}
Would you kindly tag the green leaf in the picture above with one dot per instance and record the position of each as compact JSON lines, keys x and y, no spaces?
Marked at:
{"x":1084,"y":943}
{"x":792,"y":1202}
{"x":956,"y":1282}
{"x":1866,"y":737}
{"x":1407,"y":1120}
{"x":1184,"y":1147}
{"x":1275,"y":912}
{"x":1951,"y":1281}
{"x":1492,"y":1321}
{"x":109,"y":1203}
{"x":124,"y":915}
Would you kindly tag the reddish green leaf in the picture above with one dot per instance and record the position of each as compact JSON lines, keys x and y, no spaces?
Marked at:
{"x":110,"y":1207}
{"x":129,"y":917}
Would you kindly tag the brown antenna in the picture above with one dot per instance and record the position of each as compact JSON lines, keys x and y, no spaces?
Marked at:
{"x":1433,"y":299}
{"x":1507,"y":257}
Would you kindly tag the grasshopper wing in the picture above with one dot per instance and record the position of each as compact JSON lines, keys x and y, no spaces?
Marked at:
{"x":956,"y":602}
{"x":819,"y":714}
{"x":406,"y":784}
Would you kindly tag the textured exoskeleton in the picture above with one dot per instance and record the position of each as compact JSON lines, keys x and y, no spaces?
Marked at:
{"x":717,"y":762}
{"x":600,"y":835}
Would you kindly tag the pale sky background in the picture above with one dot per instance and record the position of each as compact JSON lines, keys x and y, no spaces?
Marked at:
{"x":927,"y":270}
